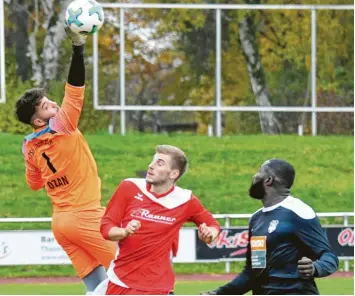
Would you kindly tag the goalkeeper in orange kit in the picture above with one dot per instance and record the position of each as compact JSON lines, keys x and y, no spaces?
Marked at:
{"x":58,"y":158}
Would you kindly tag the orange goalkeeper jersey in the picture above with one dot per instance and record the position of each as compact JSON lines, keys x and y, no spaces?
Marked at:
{"x":58,"y":158}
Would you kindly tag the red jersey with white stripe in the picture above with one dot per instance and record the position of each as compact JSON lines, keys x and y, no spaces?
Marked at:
{"x":143,"y":259}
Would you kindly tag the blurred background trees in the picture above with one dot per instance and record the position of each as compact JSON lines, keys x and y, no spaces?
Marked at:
{"x":170,"y":60}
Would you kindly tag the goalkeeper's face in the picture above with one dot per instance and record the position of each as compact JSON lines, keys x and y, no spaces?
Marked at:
{"x":160,"y":170}
{"x":45,"y":110}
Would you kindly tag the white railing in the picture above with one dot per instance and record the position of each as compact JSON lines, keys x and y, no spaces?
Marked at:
{"x":229,"y":6}
{"x":227,"y":224}
{"x":227,"y":218}
{"x":218,"y":108}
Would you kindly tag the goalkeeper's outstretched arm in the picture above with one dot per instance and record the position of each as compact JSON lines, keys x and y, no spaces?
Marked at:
{"x":67,"y":118}
{"x":76,"y":76}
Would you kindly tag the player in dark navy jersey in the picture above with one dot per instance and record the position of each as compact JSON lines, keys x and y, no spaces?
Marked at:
{"x":287,"y":246}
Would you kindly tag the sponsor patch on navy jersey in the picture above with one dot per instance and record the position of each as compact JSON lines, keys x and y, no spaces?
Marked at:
{"x":258,"y":251}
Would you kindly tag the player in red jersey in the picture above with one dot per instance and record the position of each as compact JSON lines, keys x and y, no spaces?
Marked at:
{"x":145,"y":216}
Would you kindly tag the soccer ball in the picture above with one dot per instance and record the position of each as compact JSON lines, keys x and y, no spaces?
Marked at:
{"x":84,"y":16}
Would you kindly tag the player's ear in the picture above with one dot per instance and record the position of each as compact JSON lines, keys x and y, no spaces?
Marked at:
{"x":38,"y":122}
{"x":269,"y":181}
{"x":174,"y":174}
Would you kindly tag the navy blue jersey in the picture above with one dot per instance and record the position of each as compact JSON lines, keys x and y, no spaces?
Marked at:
{"x":279,"y":236}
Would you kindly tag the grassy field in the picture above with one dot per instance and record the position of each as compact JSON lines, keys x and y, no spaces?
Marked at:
{"x":220,"y":173}
{"x":220,"y":170}
{"x":330,"y":286}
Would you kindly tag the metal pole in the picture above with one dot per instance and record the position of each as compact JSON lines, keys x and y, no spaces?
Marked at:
{"x":346,"y":221}
{"x":228,"y":6}
{"x":218,"y":74}
{"x":95,"y":56}
{"x":314,"y":72}
{"x":122,"y":72}
{"x":346,"y":262}
{"x":225,"y":108}
{"x":227,"y":264}
{"x":2,"y":52}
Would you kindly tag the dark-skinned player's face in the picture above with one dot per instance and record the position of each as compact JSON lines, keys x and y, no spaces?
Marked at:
{"x":257,"y":189}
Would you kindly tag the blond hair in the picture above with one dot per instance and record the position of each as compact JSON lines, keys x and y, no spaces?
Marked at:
{"x":178,"y":157}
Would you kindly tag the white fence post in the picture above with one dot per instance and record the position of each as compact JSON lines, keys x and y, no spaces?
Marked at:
{"x":122,"y":73}
{"x":218,"y":83}
{"x":314,"y":71}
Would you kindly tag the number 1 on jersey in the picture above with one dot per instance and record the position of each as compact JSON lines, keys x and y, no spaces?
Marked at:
{"x":50,"y":165}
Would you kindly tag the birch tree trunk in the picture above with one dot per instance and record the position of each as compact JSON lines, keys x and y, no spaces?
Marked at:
{"x":45,"y":65}
{"x":32,"y":48}
{"x":54,"y":36}
{"x":247,"y":35}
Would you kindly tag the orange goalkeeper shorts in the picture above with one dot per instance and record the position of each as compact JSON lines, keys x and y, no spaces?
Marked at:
{"x":79,"y":235}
